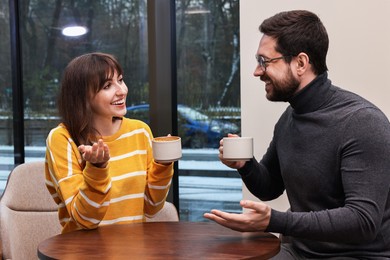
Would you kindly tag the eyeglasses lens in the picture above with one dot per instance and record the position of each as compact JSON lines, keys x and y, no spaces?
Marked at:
{"x":260,"y":61}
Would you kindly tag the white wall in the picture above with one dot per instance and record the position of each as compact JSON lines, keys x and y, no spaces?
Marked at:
{"x":358,"y":59}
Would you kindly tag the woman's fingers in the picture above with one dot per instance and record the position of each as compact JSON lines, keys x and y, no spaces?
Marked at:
{"x":97,"y":153}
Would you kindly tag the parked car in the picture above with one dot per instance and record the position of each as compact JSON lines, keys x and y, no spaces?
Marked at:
{"x":196,"y":129}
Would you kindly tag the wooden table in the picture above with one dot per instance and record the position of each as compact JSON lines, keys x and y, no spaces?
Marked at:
{"x":160,"y":240}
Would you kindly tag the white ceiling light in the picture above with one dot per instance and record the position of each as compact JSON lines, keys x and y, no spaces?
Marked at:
{"x":73,"y":31}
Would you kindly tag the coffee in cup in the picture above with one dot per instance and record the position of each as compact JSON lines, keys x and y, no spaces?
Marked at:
{"x":166,"y":149}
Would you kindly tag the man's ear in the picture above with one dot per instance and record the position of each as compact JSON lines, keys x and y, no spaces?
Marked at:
{"x":303,"y":63}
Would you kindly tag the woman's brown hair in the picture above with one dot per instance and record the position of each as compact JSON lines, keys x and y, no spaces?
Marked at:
{"x":83,"y":78}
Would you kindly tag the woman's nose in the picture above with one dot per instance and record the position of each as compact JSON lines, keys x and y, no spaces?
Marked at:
{"x":121,"y":89}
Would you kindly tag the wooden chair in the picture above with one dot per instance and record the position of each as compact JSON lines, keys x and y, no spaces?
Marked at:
{"x":28,"y":213}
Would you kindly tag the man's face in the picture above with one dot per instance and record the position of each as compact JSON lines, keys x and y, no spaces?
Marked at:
{"x":280,"y":82}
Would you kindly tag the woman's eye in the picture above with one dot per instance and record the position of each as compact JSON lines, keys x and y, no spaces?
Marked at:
{"x":106,"y":86}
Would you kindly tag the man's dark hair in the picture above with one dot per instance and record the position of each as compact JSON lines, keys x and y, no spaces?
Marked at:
{"x":299,"y":31}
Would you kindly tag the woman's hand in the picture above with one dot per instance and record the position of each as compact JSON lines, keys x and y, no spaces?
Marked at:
{"x":166,"y":163}
{"x":231,"y":164}
{"x":97,"y":154}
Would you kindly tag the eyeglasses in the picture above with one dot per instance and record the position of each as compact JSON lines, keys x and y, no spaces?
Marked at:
{"x":263,"y":62}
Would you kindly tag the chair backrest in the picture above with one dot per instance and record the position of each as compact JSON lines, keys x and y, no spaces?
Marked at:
{"x":167,"y":213}
{"x":28,"y":214}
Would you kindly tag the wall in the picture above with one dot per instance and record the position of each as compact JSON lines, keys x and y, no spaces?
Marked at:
{"x":358,"y":59}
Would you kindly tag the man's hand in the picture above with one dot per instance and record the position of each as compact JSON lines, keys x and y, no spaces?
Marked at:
{"x":255,"y":218}
{"x":98,"y":154}
{"x":231,"y":164}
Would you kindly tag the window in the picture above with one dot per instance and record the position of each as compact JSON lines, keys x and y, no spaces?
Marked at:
{"x":6,"y":126}
{"x":207,"y":74}
{"x":116,"y":27}
{"x":208,"y":84}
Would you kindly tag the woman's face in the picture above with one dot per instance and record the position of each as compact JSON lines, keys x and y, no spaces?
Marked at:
{"x":110,"y":101}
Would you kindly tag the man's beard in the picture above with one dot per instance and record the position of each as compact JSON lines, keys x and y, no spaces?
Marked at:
{"x":284,"y":89}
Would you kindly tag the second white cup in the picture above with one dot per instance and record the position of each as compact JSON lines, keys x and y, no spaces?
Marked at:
{"x":237,"y":148}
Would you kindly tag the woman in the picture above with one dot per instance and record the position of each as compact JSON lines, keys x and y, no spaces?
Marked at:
{"x":99,"y":164}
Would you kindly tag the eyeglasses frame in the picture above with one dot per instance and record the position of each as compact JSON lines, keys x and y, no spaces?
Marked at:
{"x":263,"y":63}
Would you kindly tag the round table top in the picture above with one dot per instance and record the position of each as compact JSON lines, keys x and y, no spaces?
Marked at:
{"x":160,"y":240}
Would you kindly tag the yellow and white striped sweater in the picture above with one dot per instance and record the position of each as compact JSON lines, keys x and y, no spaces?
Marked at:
{"x":130,"y":187}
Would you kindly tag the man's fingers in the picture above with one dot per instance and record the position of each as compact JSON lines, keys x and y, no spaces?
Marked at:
{"x":222,"y":215}
{"x":256,"y":206}
{"x":215,"y":214}
{"x":217,"y":218}
{"x":229,"y":220}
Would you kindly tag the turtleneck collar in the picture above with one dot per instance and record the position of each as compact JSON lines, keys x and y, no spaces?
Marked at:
{"x":313,"y":96}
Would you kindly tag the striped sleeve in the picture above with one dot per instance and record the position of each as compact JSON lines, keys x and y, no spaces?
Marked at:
{"x":82,"y":193}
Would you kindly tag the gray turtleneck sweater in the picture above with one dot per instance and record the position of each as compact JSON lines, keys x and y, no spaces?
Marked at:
{"x":331,"y":154}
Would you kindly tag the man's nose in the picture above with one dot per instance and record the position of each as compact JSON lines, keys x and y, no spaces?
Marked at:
{"x":258,"y":71}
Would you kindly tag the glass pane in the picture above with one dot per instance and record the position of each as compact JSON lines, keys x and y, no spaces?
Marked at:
{"x":209,"y":103}
{"x":6,"y":126}
{"x":116,"y":27}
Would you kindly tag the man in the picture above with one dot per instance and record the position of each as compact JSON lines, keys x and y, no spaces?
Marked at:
{"x":329,"y":152}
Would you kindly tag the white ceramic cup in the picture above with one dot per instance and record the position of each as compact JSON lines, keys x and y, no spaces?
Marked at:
{"x":166,"y":149}
{"x":237,"y":148}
